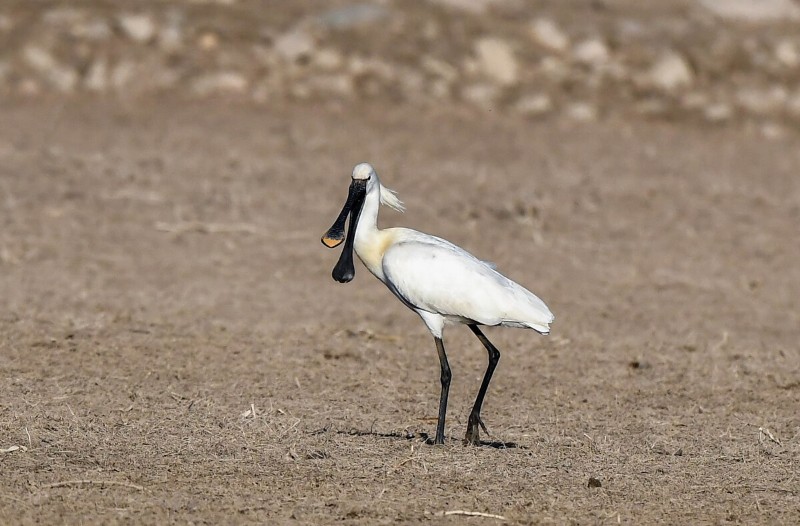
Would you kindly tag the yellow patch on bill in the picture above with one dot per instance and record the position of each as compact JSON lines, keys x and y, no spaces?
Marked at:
{"x":331,"y":242}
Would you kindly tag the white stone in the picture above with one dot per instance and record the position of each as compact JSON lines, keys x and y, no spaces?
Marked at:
{"x":61,"y":77}
{"x":482,"y":95}
{"x":670,"y":72}
{"x":592,"y":52}
{"x":97,"y":76}
{"x":122,"y":74}
{"x":231,"y":82}
{"x":787,"y":53}
{"x":761,"y":101}
{"x":147,"y":75}
{"x":39,"y":59}
{"x":372,"y":67}
{"x":294,"y":45}
{"x":534,"y":105}
{"x":496,"y":61}
{"x":754,"y":11}
{"x":328,"y":59}
{"x":581,"y":112}
{"x":340,"y":85}
{"x":718,"y":112}
{"x":547,"y":34}
{"x":474,"y":7}
{"x":208,"y":41}
{"x":139,"y":27}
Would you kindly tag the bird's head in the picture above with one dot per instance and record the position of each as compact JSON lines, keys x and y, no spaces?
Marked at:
{"x":364,"y":182}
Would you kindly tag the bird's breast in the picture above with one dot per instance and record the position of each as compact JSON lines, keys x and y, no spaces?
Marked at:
{"x":370,"y":249}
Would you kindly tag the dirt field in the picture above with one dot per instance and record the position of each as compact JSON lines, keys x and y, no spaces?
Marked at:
{"x":161,"y":276}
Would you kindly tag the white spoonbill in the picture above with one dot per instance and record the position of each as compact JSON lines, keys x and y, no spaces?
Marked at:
{"x":436,"y":279}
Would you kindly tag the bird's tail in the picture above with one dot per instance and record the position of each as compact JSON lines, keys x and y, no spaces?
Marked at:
{"x":541,"y":328}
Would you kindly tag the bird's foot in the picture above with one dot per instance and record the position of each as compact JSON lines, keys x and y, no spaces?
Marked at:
{"x":473,"y":434}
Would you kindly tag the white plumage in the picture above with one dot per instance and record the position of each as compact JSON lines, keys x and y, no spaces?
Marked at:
{"x":450,"y":284}
{"x":438,"y":280}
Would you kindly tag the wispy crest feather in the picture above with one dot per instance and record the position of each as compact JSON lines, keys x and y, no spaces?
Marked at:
{"x":389,"y":198}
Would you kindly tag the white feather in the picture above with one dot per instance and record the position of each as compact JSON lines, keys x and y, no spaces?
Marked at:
{"x":389,"y":198}
{"x":433,"y":275}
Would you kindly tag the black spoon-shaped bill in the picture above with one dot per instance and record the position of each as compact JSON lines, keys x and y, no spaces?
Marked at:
{"x":345,"y":270}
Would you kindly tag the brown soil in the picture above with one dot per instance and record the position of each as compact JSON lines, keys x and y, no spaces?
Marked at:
{"x":161,"y":275}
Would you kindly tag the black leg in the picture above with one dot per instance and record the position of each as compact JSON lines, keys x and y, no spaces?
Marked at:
{"x":445,"y":390}
{"x":473,"y":435}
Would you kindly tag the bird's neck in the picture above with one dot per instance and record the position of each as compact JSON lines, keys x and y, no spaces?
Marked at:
{"x":369,"y":242}
{"x":368,"y":220}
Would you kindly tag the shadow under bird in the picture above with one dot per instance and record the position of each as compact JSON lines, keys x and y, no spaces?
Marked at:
{"x":433,"y":277}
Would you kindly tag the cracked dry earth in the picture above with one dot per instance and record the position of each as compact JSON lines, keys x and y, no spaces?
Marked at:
{"x":174,"y":349}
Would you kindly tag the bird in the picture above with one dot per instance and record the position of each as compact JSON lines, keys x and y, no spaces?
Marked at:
{"x":441,"y":282}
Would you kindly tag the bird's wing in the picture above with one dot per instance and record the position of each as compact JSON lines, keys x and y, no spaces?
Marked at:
{"x":436,"y":276}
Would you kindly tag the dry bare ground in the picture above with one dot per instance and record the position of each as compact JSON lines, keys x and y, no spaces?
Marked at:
{"x":174,"y":350}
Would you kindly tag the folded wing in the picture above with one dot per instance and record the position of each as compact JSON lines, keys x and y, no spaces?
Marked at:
{"x":434,"y":275}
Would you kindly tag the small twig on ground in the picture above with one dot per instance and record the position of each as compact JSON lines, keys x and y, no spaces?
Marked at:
{"x":717,"y":346}
{"x":250,"y":412}
{"x":403,"y":462}
{"x":407,"y":460}
{"x":11,"y":449}
{"x":472,"y":514}
{"x":763,"y":431}
{"x":86,"y":482}
{"x":286,"y":430}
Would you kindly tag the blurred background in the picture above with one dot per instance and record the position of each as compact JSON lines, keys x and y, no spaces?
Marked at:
{"x":714,"y":61}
